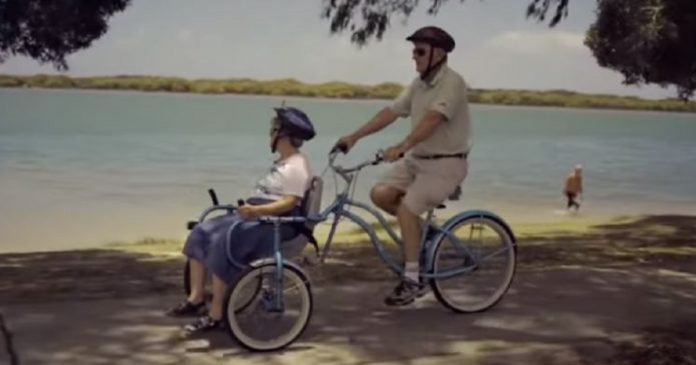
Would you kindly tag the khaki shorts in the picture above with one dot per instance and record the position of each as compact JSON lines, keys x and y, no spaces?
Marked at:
{"x":426,"y":183}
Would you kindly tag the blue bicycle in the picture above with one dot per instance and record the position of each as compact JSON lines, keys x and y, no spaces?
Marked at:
{"x":469,"y":262}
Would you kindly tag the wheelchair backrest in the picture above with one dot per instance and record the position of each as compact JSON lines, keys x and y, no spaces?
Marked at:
{"x":311,"y":205}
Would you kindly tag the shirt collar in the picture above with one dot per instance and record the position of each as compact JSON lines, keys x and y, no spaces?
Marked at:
{"x":437,"y":77}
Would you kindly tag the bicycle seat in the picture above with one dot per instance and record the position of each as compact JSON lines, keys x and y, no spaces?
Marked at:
{"x":456,"y":194}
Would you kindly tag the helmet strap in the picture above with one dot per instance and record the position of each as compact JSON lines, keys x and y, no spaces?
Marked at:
{"x":279,"y":135}
{"x":274,"y":145}
{"x":429,"y":70}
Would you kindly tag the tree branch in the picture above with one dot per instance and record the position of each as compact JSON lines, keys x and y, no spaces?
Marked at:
{"x":367,"y":19}
{"x":539,"y":8}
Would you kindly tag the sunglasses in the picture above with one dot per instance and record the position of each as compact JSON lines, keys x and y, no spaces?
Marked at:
{"x":420,"y":52}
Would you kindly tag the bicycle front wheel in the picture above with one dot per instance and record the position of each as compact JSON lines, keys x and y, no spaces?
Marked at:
{"x":476,"y":269}
{"x":260,"y":325}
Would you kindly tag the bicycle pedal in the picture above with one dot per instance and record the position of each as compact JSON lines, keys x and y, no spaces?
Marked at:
{"x":310,"y":261}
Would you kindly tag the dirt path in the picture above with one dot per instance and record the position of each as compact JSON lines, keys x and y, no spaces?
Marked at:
{"x":564,"y":316}
{"x":618,"y":295}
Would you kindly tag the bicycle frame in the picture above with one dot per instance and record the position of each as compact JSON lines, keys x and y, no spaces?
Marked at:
{"x":337,"y":208}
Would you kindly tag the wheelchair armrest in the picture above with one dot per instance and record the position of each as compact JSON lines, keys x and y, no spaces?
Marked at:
{"x":228,"y":207}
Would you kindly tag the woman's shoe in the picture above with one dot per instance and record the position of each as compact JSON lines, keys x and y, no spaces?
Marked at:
{"x":185,"y":309}
{"x":203,"y":324}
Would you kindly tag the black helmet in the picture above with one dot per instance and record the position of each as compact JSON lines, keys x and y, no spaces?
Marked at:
{"x":433,"y":36}
{"x":295,"y":123}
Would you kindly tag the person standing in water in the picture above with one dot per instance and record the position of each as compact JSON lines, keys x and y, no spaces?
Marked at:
{"x":573,"y":187}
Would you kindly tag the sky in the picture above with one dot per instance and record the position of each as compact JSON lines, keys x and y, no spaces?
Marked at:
{"x":497,"y":47}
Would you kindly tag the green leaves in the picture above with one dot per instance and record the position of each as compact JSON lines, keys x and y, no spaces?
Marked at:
{"x":647,"y":41}
{"x":49,"y":31}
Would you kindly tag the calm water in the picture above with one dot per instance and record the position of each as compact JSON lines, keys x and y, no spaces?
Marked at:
{"x":81,"y":168}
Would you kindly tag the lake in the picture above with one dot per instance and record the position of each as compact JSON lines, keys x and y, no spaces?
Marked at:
{"x":83,"y":168}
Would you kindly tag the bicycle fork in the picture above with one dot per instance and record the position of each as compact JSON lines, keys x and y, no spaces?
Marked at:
{"x":272,"y":298}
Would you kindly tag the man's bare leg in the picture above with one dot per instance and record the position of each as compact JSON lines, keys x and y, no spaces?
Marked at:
{"x":388,"y":198}
{"x":410,"y":288}
{"x":410,"y":225}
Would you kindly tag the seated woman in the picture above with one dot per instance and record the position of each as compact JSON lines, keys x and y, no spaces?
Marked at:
{"x":280,"y":192}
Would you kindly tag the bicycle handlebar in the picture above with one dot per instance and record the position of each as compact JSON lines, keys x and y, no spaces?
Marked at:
{"x":379,"y":158}
{"x":347,"y":173}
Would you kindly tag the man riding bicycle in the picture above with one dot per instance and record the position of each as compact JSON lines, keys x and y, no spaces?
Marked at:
{"x":434,"y":153}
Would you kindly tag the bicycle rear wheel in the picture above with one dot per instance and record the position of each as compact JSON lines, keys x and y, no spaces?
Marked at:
{"x":258,"y":326}
{"x":478,"y":269}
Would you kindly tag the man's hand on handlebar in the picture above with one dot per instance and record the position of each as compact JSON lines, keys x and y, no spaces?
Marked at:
{"x":344,"y":144}
{"x":393,"y":153}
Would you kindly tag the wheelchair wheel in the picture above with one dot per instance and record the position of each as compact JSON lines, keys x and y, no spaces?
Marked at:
{"x":485,"y":257}
{"x":261,"y":325}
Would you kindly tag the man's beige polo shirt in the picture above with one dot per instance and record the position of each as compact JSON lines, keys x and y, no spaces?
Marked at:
{"x":446,"y":94}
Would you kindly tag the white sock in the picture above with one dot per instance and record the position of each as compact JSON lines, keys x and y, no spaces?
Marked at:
{"x":411,"y":271}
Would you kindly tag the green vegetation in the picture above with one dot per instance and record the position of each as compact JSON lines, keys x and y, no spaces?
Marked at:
{"x":563,"y":98}
{"x":288,"y":87}
{"x":291,"y":87}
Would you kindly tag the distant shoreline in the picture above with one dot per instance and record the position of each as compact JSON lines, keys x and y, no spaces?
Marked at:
{"x":338,"y":90}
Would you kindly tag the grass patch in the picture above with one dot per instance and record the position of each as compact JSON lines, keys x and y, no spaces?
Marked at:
{"x":150,"y":245}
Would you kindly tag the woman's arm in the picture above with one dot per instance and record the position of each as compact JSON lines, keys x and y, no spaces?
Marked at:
{"x":278,"y":207}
